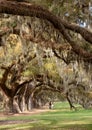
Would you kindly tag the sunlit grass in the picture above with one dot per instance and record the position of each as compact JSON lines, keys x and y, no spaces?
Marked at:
{"x":60,"y":118}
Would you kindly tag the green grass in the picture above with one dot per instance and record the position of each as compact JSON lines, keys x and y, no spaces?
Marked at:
{"x":60,"y":118}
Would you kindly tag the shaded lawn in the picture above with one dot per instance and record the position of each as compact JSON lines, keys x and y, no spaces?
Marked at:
{"x":60,"y":118}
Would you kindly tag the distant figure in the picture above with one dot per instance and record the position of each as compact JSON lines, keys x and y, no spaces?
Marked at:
{"x":50,"y":105}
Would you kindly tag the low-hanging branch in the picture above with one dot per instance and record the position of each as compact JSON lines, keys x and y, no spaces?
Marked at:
{"x":28,"y":9}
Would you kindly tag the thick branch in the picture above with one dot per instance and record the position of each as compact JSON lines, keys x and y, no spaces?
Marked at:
{"x":6,"y":90}
{"x":86,"y":34}
{"x":17,"y":87}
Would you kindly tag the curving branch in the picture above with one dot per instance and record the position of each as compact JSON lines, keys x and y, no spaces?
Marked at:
{"x":28,"y":9}
{"x":85,"y":33}
{"x":18,"y":86}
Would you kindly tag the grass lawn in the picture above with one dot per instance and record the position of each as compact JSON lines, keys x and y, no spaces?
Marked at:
{"x":60,"y":118}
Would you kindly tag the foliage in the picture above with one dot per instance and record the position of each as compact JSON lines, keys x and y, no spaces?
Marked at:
{"x":23,"y":37}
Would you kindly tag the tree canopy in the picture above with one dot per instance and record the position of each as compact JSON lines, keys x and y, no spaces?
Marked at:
{"x":44,"y":49}
{"x":27,"y":9}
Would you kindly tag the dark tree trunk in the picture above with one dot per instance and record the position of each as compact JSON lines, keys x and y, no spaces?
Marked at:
{"x":69,"y":101}
{"x":13,"y":106}
{"x":10,"y":105}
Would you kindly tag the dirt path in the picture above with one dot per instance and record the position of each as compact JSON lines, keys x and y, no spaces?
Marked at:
{"x":4,"y":121}
{"x":34,"y":111}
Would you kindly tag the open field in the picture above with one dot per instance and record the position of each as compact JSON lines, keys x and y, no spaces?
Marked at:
{"x":60,"y":118}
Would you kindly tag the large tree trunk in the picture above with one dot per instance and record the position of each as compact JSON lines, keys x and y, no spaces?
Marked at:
{"x":16,"y":106}
{"x":21,"y":103}
{"x":29,"y":104}
{"x":12,"y":106}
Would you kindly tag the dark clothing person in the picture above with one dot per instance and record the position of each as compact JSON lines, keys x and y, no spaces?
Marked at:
{"x":50,"y":105}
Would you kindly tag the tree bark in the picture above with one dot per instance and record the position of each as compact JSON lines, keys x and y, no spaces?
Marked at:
{"x":10,"y":104}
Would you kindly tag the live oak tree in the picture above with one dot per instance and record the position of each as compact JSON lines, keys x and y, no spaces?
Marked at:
{"x":11,"y":81}
{"x":66,"y":29}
